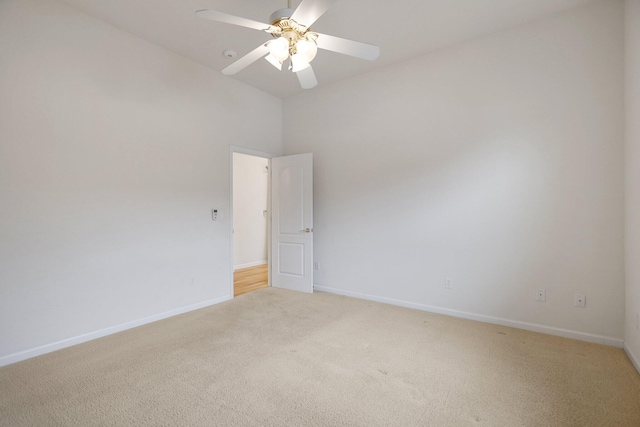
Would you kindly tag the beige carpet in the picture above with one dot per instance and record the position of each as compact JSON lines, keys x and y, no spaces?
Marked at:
{"x":277,"y":358}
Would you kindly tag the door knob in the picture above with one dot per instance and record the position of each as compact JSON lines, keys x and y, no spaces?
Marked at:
{"x":306,"y":230}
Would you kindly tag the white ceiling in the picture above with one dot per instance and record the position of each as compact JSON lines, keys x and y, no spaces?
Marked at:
{"x":401,"y":29}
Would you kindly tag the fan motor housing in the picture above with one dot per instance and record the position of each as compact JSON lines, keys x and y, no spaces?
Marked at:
{"x":280,"y":14}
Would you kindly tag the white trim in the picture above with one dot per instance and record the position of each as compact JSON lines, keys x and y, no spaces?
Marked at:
{"x":48,"y":348}
{"x":534,"y":327}
{"x":251,"y":152}
{"x":632,"y":357}
{"x":250,"y":264}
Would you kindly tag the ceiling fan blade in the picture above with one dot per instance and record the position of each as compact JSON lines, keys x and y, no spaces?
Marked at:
{"x":235,"y":20}
{"x":247,"y":60}
{"x":307,"y":78}
{"x":348,"y":47}
{"x":309,"y":11}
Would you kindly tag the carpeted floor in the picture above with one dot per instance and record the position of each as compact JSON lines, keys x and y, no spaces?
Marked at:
{"x":276,"y":357}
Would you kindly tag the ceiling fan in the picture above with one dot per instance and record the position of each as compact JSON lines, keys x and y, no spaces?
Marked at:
{"x":293,"y":41}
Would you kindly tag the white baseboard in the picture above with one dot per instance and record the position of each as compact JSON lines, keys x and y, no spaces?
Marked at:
{"x":48,"y":348}
{"x":249,"y":264}
{"x":567,"y":333}
{"x":632,"y":357}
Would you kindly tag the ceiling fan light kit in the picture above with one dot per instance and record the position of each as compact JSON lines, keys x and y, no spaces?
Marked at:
{"x":292,"y":40}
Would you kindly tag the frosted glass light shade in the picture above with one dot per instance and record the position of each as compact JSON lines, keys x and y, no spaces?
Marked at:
{"x":274,"y":61}
{"x":307,"y":49}
{"x":279,"y":48}
{"x":298,"y":63}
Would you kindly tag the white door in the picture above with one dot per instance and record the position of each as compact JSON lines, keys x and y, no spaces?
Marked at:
{"x":292,"y":222}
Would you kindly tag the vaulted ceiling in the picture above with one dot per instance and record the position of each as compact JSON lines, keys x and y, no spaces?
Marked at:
{"x":402,"y":30}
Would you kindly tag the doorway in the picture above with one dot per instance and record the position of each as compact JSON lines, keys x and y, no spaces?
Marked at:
{"x":250,"y":222}
{"x":288,"y":220}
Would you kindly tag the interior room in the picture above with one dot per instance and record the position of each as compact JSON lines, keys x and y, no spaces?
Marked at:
{"x":482,"y":171}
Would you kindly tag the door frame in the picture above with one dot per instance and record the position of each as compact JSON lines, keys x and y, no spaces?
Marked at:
{"x":242,"y":150}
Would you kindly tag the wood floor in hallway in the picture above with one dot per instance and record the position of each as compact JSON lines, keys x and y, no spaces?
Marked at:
{"x":250,"y":279}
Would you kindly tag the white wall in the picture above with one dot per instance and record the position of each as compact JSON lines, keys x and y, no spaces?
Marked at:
{"x":112,"y":153}
{"x":632,"y":156}
{"x":250,"y":189}
{"x":497,"y":163}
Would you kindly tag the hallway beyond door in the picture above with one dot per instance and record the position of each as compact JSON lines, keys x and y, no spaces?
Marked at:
{"x":250,"y":279}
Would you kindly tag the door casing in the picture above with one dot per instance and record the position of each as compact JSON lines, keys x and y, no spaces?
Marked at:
{"x":242,"y":150}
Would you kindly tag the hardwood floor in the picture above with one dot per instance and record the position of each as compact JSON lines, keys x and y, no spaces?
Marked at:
{"x":250,"y":279}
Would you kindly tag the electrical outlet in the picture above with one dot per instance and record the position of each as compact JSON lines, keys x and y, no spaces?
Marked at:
{"x":541,"y":295}
{"x":316,"y":265}
{"x":580,"y":300}
{"x":191,"y":281}
{"x":447,"y":283}
{"x":637,"y":320}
